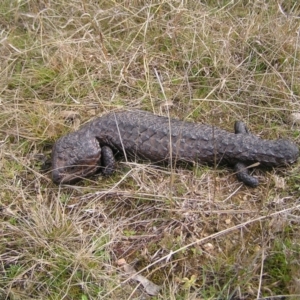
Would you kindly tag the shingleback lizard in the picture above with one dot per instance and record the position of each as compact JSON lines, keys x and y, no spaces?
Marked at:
{"x":142,"y":134}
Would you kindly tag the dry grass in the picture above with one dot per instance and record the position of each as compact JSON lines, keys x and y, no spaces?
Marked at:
{"x":195,"y":231}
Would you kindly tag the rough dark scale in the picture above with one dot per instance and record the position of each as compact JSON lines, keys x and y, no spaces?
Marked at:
{"x":156,"y":138}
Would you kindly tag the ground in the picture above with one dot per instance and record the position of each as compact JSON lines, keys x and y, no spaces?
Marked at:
{"x":193,"y":230}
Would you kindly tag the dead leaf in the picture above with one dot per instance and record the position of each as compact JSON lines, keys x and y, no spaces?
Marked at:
{"x":70,"y":115}
{"x":150,"y":287}
{"x":279,"y":182}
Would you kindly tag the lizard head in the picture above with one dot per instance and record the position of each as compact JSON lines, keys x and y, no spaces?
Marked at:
{"x":75,"y":156}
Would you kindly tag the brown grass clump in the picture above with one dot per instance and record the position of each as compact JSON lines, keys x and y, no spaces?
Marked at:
{"x":195,"y":231}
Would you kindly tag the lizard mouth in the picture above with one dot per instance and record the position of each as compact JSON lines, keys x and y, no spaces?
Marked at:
{"x":73,"y":173}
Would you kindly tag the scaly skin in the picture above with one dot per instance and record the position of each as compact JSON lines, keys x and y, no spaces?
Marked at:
{"x":155,"y":138}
